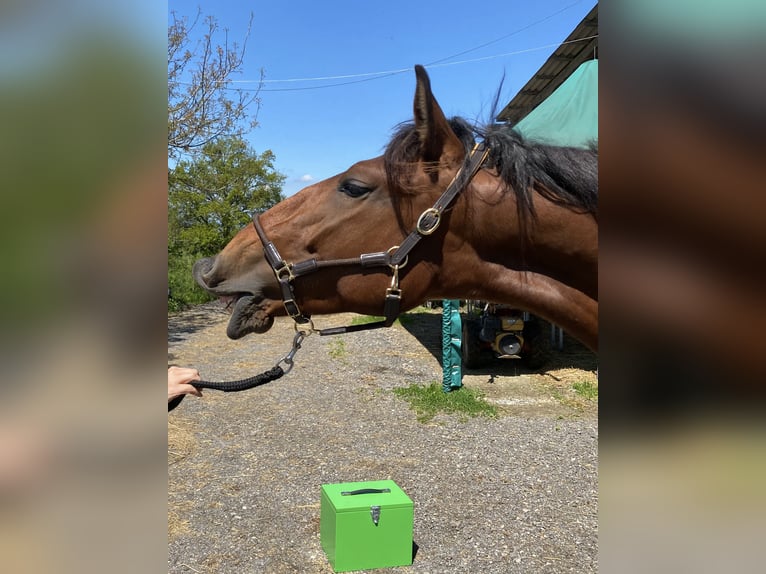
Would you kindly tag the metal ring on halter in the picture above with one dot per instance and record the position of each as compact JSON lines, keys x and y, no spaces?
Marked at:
{"x":403,"y":263}
{"x":284,"y":272}
{"x":430,"y":211}
{"x":305,"y":328}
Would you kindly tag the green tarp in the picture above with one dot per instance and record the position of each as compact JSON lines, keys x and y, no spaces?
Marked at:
{"x":452,"y":372}
{"x":569,"y":116}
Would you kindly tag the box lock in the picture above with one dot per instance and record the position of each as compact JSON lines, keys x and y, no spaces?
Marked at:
{"x":374,"y":510}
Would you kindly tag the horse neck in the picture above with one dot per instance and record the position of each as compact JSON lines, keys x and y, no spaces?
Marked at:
{"x":559,"y":242}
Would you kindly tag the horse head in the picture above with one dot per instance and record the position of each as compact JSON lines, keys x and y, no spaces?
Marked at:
{"x":474,"y":246}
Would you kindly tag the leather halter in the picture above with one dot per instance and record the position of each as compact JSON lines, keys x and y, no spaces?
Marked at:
{"x":395,"y":258}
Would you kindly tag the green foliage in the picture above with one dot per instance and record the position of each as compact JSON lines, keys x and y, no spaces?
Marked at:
{"x":210,"y":198}
{"x":216,"y":181}
{"x":213,"y":196}
{"x":428,"y":400}
{"x":184,"y":291}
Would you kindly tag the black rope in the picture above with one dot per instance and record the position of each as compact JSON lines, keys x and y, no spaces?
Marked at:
{"x":232,"y":386}
{"x":243,"y":384}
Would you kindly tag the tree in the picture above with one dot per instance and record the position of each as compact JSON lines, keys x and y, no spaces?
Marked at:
{"x":213,"y":196}
{"x":216,"y":180}
{"x":202,"y":105}
{"x":210,"y":198}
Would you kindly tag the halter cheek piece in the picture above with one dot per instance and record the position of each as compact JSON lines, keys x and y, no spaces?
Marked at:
{"x":395,"y":258}
{"x":286,"y":273}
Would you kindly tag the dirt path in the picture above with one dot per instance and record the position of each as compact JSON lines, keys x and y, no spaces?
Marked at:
{"x":512,"y":494}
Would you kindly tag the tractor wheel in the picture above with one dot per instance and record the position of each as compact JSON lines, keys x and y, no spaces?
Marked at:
{"x":471,"y":347}
{"x":537,"y":351}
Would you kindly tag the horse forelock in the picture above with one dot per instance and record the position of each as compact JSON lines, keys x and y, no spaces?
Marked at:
{"x":403,"y":154}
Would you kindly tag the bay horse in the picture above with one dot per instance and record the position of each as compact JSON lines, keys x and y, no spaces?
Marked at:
{"x":437,"y":216}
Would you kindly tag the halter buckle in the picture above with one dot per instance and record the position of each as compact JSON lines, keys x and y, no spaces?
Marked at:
{"x":284,"y":271}
{"x":292,"y":309}
{"x":421,"y":221}
{"x":393,"y":293}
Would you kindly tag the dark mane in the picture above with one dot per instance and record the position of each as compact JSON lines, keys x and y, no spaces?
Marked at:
{"x":567,"y":176}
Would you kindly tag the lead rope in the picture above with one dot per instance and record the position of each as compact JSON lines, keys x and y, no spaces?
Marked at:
{"x":255,"y":381}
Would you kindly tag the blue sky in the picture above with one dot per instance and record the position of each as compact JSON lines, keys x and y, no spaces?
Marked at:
{"x":316,"y":129}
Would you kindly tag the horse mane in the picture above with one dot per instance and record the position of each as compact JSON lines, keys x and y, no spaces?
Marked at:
{"x":566,"y":176}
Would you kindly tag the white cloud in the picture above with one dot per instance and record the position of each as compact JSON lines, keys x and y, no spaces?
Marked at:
{"x":306,"y":178}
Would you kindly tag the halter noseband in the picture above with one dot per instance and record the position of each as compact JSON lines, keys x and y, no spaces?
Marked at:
{"x":395,"y":258}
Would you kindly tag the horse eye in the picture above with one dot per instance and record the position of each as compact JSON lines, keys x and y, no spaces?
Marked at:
{"x":353,"y":188}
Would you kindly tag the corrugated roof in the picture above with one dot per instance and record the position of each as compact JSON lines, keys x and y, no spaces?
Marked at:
{"x":556,"y":69}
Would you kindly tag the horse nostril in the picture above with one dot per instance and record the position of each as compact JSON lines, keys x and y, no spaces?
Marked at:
{"x":204,"y":273}
{"x":211,"y":280}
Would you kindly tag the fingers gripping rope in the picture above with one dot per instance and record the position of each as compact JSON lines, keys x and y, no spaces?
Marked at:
{"x":243,"y":384}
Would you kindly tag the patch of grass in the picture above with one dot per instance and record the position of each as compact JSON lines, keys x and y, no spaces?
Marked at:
{"x":338,"y":349}
{"x":364,"y":319}
{"x":586,"y":389}
{"x":403,"y":318}
{"x":428,"y":400}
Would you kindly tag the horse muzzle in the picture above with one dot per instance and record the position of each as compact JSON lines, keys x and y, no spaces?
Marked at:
{"x":251,"y":312}
{"x":213,"y":276}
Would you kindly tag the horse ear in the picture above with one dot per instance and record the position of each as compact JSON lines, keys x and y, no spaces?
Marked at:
{"x":437,"y":140}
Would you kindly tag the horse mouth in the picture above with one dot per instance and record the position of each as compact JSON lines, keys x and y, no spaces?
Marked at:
{"x":249,"y":314}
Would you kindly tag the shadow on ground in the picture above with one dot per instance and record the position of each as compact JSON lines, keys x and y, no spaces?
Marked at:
{"x":426,"y":327}
{"x":185,"y":323}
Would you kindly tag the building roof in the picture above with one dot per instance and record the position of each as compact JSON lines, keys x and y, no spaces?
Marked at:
{"x":572,"y":52}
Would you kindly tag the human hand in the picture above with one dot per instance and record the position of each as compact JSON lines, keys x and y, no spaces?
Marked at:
{"x":178,"y":382}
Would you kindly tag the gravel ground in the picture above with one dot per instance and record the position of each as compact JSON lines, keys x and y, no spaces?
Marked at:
{"x":513,"y":494}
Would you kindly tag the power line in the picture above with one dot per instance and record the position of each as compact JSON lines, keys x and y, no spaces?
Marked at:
{"x":431,"y":64}
{"x":428,"y":66}
{"x":370,"y":76}
{"x":518,"y":31}
{"x":321,"y":78}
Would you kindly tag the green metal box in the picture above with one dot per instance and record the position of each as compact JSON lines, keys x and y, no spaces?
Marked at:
{"x":365,"y":525}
